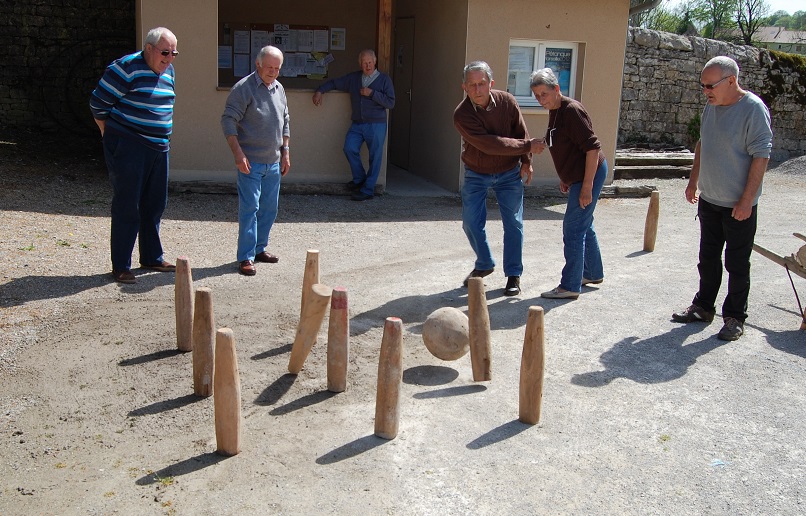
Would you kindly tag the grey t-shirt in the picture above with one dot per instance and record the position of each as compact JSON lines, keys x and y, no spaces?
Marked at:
{"x":730,"y":137}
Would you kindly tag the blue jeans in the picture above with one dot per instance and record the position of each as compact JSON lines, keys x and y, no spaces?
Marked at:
{"x":258,"y":195}
{"x":508,"y":189}
{"x":374,"y":134}
{"x":580,"y":245}
{"x":139,"y":177}
{"x":718,"y":230}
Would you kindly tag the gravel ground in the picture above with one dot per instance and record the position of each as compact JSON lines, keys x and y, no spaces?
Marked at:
{"x":640,"y":415}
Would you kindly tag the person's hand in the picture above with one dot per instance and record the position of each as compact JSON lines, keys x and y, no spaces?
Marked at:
{"x":691,"y":193}
{"x":537,"y":145}
{"x":285,"y":163}
{"x":585,"y":196}
{"x":563,"y":187}
{"x":242,"y":162}
{"x":526,"y":173}
{"x":366,"y":92}
{"x":742,"y":211}
{"x":317,"y":98}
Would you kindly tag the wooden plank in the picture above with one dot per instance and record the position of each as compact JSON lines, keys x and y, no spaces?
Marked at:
{"x":384,"y":42}
{"x":785,"y":261}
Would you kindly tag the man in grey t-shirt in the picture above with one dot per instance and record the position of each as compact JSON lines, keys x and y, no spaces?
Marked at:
{"x":729,"y":164}
{"x":256,"y":125}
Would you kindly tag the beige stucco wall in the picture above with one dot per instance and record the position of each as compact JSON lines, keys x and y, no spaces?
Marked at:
{"x":198,"y":148}
{"x":602,"y":26}
{"x":439,"y":56}
{"x":448,"y":34}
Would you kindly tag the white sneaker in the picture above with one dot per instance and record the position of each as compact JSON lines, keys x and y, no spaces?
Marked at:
{"x":560,"y":293}
{"x":586,"y":281}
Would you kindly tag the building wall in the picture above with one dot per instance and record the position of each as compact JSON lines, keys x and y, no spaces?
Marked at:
{"x":199,"y":150}
{"x":661,"y":100}
{"x":54,"y":55}
{"x":602,"y":31}
{"x":439,"y":50}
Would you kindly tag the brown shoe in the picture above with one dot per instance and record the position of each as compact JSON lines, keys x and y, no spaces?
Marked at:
{"x":161,"y":267}
{"x":266,"y":257}
{"x":124,"y":276}
{"x":247,"y":268}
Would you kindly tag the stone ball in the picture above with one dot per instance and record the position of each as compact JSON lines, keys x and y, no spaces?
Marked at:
{"x":445,"y":333}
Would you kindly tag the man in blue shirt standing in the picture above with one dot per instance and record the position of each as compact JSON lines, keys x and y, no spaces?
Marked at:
{"x":133,"y":107}
{"x":371,"y":94}
{"x":257,"y":127}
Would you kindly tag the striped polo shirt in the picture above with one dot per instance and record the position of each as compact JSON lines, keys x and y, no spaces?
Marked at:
{"x":135,"y":102}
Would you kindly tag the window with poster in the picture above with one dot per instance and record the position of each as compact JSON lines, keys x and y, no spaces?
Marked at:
{"x":526,"y":56}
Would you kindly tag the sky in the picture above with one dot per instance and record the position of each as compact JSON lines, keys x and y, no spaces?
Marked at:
{"x":789,"y":6}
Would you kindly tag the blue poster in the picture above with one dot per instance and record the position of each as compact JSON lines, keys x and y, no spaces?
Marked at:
{"x":559,"y":60}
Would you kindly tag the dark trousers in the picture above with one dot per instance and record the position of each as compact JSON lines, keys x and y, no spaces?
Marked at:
{"x":139,"y":177}
{"x":719,"y":229}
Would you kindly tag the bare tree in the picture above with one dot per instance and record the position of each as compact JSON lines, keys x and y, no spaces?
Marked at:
{"x":749,"y":17}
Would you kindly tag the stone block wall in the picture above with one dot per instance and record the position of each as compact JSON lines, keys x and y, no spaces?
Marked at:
{"x":661,"y":98}
{"x":55,"y":52}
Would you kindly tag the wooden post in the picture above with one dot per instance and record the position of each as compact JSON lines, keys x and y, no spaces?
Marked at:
{"x":203,"y":343}
{"x":310,"y":277}
{"x":651,"y":226}
{"x":227,"y":398}
{"x":338,"y":338}
{"x":384,"y":36}
{"x":478,"y":330}
{"x":309,"y":324}
{"x":183,"y":301}
{"x":390,"y":374}
{"x":532,"y":367}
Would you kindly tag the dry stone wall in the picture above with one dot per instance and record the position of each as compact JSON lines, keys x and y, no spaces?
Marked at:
{"x":55,"y":52}
{"x":661,"y":99}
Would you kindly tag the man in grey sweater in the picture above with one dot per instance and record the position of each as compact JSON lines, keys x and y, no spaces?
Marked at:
{"x":729,"y":165}
{"x":256,"y":125}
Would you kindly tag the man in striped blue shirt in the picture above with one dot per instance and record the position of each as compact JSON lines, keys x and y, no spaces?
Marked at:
{"x":133,"y":107}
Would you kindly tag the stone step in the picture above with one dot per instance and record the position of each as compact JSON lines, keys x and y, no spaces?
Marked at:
{"x":654,"y":158}
{"x":651,"y":171}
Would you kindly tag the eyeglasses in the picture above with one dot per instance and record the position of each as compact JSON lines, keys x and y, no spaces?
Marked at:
{"x":714,"y":85}
{"x":167,"y":53}
{"x":551,"y":136}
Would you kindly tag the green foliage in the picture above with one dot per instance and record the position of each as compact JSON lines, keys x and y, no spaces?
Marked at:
{"x":795,"y":21}
{"x":693,"y":130}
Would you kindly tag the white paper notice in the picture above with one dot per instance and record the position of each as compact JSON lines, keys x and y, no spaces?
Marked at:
{"x":225,"y":56}
{"x":320,"y":41}
{"x":338,"y":39}
{"x":294,"y":64}
{"x":241,"y":65}
{"x":282,"y":37}
{"x":260,"y":38}
{"x":305,"y":40}
{"x":241,"y":42}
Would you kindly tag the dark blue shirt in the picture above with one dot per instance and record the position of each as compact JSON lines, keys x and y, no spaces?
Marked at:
{"x":365,"y":109}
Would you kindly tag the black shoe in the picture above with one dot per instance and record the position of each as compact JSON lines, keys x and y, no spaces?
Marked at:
{"x":361,"y":196}
{"x":693,"y":313}
{"x":732,"y":329}
{"x":476,"y":273}
{"x":353,"y":187}
{"x":513,"y":287}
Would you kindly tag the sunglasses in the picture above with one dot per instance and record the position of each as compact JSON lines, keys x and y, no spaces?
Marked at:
{"x":714,"y":85}
{"x":167,"y":53}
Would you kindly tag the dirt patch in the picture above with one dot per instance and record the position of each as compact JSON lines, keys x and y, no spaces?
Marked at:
{"x":640,"y":415}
